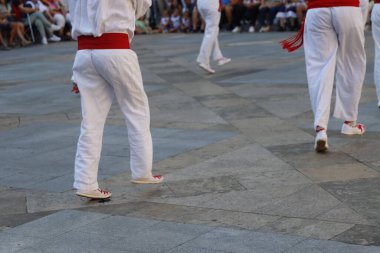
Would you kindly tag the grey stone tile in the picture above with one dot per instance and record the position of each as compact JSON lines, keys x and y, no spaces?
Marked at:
{"x":56,"y":224}
{"x":307,"y":227}
{"x":339,"y":172}
{"x":12,"y":202}
{"x":196,"y":187}
{"x":13,"y":220}
{"x":247,"y":160}
{"x":200,"y":88}
{"x":303,"y":156}
{"x":243,"y":241}
{"x":116,"y":225}
{"x":237,"y":200}
{"x":307,"y":202}
{"x":78,"y":242}
{"x":342,"y":213}
{"x":233,"y":219}
{"x":11,"y":242}
{"x":273,"y":179}
{"x":187,"y":249}
{"x":361,"y":195}
{"x":317,"y":246}
{"x":272,"y":131}
{"x":361,"y":234}
{"x":160,"y":237}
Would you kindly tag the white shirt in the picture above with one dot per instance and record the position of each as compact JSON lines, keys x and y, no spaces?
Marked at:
{"x":95,"y":17}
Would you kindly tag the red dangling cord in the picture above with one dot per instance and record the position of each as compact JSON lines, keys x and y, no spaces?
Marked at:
{"x":293,"y":43}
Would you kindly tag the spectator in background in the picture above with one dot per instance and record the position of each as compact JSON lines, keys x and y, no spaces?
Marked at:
{"x":196,"y":21}
{"x":142,"y":26}
{"x":175,"y":4}
{"x":58,"y":12}
{"x":36,"y":18}
{"x":15,"y":28}
{"x":165,"y":24}
{"x":226,"y":13}
{"x":186,"y":22}
{"x":301,"y":11}
{"x":237,"y":15}
{"x":267,"y":13}
{"x":175,"y":20}
{"x":287,"y":15}
{"x":251,"y":12}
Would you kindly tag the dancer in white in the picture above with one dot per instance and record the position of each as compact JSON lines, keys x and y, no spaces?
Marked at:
{"x":105,"y":67}
{"x":375,"y":17}
{"x":334,"y":40}
{"x":210,"y":12}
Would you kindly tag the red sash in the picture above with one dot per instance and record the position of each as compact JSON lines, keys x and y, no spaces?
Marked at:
{"x":106,"y":41}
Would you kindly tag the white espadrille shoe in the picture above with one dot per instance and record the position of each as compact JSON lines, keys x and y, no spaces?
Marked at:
{"x":157,"y":179}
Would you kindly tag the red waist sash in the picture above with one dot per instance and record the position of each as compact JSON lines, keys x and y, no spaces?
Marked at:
{"x":106,"y":41}
{"x":377,"y":1}
{"x":312,"y":4}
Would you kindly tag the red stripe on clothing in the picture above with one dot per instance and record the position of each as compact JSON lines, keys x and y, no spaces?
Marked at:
{"x":106,"y":41}
{"x":331,"y":3}
{"x":377,"y":1}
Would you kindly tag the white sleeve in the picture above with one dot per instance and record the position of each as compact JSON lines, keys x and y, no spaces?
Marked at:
{"x":141,"y":7}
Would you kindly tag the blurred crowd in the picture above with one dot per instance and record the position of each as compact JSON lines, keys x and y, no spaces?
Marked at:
{"x":23,"y":22}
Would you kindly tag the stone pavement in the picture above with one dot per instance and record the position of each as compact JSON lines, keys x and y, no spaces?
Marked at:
{"x":236,"y":149}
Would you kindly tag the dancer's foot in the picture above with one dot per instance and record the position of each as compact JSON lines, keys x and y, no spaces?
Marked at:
{"x":351,"y":128}
{"x":95,"y":194}
{"x":206,"y":68}
{"x":321,"y":144}
{"x":157,"y":179}
{"x":222,"y":61}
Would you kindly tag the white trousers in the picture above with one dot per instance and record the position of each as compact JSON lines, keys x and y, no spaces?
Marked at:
{"x":375,"y":17}
{"x":210,"y":44}
{"x":101,"y":75}
{"x":364,"y":6}
{"x":334,"y":40}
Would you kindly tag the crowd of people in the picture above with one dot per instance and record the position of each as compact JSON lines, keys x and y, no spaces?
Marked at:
{"x":23,"y":22}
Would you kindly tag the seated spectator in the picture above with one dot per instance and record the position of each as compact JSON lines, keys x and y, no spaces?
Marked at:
{"x":186,"y":22}
{"x":175,"y":20}
{"x":14,"y":27}
{"x":58,"y":12}
{"x":165,"y":24}
{"x":142,"y":26}
{"x":196,"y":21}
{"x":301,"y":11}
{"x":227,"y":14}
{"x":237,"y":15}
{"x":251,"y":12}
{"x":267,"y":13}
{"x":36,"y":18}
{"x":287,"y":15}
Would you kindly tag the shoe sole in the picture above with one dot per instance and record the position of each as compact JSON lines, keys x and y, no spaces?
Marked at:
{"x":349,"y":133}
{"x":142,"y":181}
{"x":92,"y":196}
{"x":205,"y":69}
{"x":321,"y":146}
{"x":224,"y":63}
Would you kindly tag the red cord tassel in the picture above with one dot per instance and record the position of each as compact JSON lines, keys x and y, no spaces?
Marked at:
{"x":293,"y":43}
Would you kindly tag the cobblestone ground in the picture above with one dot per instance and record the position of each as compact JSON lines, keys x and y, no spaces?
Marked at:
{"x":236,"y":149}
